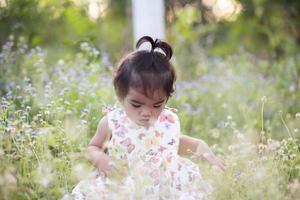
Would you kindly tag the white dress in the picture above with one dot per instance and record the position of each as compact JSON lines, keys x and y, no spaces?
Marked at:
{"x":148,"y":162}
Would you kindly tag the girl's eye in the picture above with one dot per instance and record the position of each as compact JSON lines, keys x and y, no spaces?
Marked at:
{"x":136,"y":105}
{"x":157,"y":106}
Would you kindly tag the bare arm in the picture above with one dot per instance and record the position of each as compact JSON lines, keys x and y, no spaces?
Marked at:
{"x":188,"y":145}
{"x":95,"y":148}
{"x":199,"y":148}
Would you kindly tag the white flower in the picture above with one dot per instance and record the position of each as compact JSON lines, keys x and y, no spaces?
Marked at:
{"x":264,"y":99}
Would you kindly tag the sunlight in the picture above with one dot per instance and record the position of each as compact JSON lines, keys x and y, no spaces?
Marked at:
{"x":97,"y":8}
{"x":3,"y":3}
{"x":224,"y":9}
{"x":209,"y":3}
{"x":93,"y":10}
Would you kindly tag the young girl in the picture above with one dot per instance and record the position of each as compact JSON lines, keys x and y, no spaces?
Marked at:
{"x":142,"y":137}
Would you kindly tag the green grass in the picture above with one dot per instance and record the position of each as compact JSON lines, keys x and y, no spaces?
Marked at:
{"x":246,"y":109}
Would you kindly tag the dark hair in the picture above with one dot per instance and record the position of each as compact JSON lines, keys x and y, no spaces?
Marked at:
{"x":146,"y":70}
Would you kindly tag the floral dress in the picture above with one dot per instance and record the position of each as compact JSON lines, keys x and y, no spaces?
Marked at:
{"x":148,"y":163}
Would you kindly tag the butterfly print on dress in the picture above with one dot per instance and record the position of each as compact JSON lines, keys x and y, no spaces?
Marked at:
{"x":161,"y":149}
{"x":141,"y":136}
{"x":159,"y":134}
{"x":172,"y":142}
{"x":127,"y":143}
{"x":168,"y":118}
{"x":116,"y":123}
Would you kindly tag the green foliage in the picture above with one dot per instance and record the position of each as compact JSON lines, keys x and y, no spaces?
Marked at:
{"x":45,"y":115}
{"x":264,"y":27}
{"x":245,"y":106}
{"x":50,"y":110}
{"x":269,"y":29}
{"x":63,"y":25}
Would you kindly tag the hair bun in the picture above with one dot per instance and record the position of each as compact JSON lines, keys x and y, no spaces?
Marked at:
{"x":165,"y":47}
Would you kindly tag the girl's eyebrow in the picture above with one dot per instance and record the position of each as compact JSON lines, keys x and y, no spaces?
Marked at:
{"x":135,"y":101}
{"x":159,"y":102}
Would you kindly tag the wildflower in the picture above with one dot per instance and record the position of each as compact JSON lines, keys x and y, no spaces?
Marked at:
{"x":24,"y":117}
{"x":292,"y":156}
{"x":9,"y":94}
{"x":269,"y":141}
{"x":84,"y":112}
{"x":20,"y":138}
{"x":84,"y":45}
{"x":273,"y":145}
{"x":47,"y":112}
{"x":8,"y":46}
{"x":26,"y":79}
{"x":292,"y":87}
{"x":285,"y":157}
{"x":261,"y":148}
{"x":236,"y":173}
{"x":224,"y":105}
{"x":4,"y":103}
{"x":60,"y":62}
{"x":23,"y":48}
{"x":238,"y":134}
{"x":95,"y":52}
{"x":226,"y":124}
{"x":264,"y":99}
{"x":215,"y":134}
{"x":283,"y":142}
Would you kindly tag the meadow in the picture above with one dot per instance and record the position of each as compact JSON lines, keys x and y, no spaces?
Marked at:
{"x":247,"y":109}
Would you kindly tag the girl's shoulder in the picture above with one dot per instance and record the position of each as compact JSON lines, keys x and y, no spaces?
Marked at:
{"x":169,"y":115}
{"x":174,"y":110}
{"x":112,"y":112}
{"x":107,"y":109}
{"x":114,"y":116}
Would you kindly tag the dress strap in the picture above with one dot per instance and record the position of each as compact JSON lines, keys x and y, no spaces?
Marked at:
{"x":107,"y":109}
{"x":175,"y":110}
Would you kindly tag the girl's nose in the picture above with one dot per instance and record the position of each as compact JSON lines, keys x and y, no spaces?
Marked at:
{"x":146,"y":112}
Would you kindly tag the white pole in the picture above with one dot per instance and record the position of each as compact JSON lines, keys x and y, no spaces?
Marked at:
{"x":148,"y":19}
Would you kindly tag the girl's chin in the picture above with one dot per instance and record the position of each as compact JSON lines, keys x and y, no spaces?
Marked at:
{"x":146,"y":123}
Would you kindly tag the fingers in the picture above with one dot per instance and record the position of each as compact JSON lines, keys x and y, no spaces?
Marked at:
{"x":212,"y":159}
{"x":107,"y":168}
{"x":220,"y":163}
{"x":112,"y":170}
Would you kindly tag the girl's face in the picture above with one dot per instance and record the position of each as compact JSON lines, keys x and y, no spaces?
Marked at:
{"x":144,"y":110}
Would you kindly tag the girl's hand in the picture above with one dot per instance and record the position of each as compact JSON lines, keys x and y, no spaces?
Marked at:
{"x":104,"y":164}
{"x":205,"y":152}
{"x":214,"y":160}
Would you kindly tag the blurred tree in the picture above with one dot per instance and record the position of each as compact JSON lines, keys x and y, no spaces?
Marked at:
{"x":267,"y":28}
{"x":65,"y":23}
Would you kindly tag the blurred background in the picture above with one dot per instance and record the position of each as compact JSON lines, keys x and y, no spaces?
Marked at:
{"x":238,"y":65}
